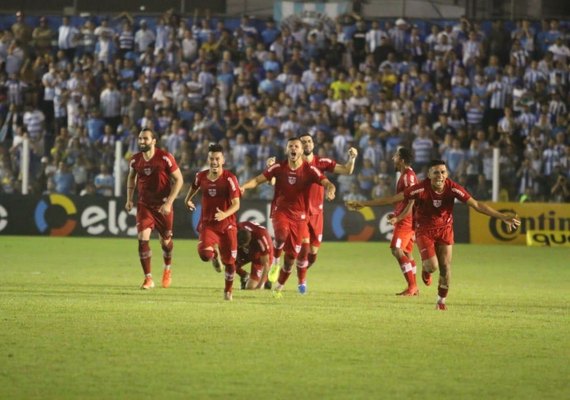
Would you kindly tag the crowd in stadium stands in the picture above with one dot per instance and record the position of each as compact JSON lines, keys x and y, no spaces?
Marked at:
{"x":452,"y":92}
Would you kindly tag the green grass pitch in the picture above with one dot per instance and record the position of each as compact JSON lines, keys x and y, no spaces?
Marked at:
{"x":74,"y":325}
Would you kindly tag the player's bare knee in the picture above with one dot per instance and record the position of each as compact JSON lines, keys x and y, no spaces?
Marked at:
{"x":430,"y":266}
{"x":206,"y":254}
{"x":396,"y":252}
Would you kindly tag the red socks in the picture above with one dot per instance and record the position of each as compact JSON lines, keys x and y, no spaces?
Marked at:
{"x":230,"y":271}
{"x":167,"y":252}
{"x":145,"y":254}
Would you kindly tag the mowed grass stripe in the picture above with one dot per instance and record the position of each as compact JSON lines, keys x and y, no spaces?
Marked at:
{"x":73,"y":324}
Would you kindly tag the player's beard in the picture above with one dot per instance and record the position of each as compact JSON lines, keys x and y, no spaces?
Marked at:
{"x":307,"y":153}
{"x":144,"y":147}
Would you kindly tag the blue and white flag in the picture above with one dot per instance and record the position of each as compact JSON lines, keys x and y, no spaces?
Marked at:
{"x":309,"y":10}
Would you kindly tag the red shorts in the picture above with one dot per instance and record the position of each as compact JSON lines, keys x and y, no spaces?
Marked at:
{"x":403,"y":238}
{"x":290,"y":232}
{"x":315,"y":225}
{"x":226,"y":241}
{"x":428,"y":239}
{"x":150,"y":218}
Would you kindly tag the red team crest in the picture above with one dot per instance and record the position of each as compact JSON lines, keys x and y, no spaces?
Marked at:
{"x":292,"y":180}
{"x":212,"y":192}
{"x":437,"y":203}
{"x":147,"y":171}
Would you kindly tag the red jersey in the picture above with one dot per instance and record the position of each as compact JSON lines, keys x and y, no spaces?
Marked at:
{"x":153,"y":177}
{"x":260,"y":244}
{"x":316,"y":191}
{"x":292,"y":188}
{"x":434,"y":210}
{"x":217,"y":194}
{"x":407,"y":178}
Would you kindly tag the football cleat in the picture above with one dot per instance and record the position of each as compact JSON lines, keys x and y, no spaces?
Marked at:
{"x":216,"y":264}
{"x":166,"y":278}
{"x":277,"y":294}
{"x":426,"y":277}
{"x":440,"y":306}
{"x":148,"y":283}
{"x":228,"y":296}
{"x":273,"y":273}
{"x":302,"y":288}
{"x":267,"y":285}
{"x":243,"y":281}
{"x":413,"y":291}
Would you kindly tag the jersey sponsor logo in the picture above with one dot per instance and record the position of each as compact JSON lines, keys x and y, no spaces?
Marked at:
{"x":292,"y":180}
{"x":147,"y":170}
{"x":212,"y":192}
{"x":437,"y":203}
{"x":459,"y":192}
{"x":414,"y":192}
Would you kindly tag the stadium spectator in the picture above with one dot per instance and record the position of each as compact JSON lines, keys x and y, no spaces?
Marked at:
{"x":433,"y":218}
{"x":217,"y":227}
{"x":158,"y":181}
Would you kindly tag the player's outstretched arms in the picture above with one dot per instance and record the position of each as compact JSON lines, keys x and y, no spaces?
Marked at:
{"x":382,"y":201}
{"x":252,"y":183}
{"x":511,"y":220}
{"x":353,"y":205}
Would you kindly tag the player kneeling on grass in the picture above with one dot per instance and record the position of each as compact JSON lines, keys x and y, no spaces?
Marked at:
{"x":256,"y":247}
{"x":433,"y":218}
{"x":159,"y":180}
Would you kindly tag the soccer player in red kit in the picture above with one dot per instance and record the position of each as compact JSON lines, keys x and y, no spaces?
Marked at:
{"x":256,"y":247}
{"x":402,"y":242}
{"x":158,"y":180}
{"x":290,"y":206}
{"x":217,"y":227}
{"x":433,"y":219}
{"x":316,"y":200}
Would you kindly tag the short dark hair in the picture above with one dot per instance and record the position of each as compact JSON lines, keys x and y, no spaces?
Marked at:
{"x":291,"y":139}
{"x":152,"y":133}
{"x":405,"y":155}
{"x":434,"y":163}
{"x":305,"y":134}
{"x":243,"y":237}
{"x":215,"y":148}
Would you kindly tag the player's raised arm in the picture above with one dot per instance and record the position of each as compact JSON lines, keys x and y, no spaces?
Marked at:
{"x":382,"y":201}
{"x":511,"y":220}
{"x":253,"y":182}
{"x":348,"y":168}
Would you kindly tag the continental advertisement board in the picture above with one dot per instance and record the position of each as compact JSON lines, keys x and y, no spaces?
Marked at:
{"x":60,"y":215}
{"x":545,"y":224}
